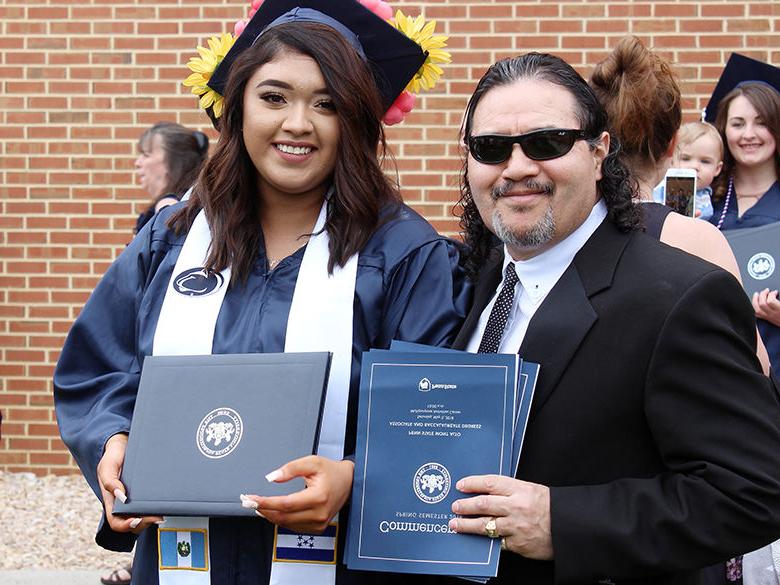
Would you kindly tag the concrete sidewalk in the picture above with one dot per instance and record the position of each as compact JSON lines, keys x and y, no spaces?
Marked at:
{"x":46,"y":577}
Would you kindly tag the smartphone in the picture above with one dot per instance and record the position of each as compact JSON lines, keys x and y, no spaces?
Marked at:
{"x":680,"y":191}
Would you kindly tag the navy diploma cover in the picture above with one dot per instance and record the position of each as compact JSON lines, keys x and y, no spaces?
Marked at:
{"x":207,"y":428}
{"x":757,"y":251}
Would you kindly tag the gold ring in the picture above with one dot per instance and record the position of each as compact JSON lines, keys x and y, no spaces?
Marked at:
{"x":503,"y":543}
{"x":490,"y":528}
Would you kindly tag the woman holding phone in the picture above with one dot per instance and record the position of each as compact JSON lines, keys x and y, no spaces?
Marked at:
{"x":643,"y":102}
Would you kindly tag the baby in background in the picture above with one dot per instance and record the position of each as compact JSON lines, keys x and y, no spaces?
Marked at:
{"x":700,"y":147}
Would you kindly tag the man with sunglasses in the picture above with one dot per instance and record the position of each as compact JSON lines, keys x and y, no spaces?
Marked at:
{"x":653,"y":444}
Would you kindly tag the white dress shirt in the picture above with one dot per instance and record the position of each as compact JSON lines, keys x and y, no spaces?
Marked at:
{"x":538,"y":276}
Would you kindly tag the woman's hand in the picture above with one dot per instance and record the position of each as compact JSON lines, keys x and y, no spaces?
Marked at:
{"x":108,"y":471}
{"x":767,"y":306}
{"x":328,"y":485}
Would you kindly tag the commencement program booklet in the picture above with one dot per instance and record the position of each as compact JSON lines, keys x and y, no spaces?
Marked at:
{"x":426,"y":420}
{"x":208,"y":428}
{"x":526,"y":384}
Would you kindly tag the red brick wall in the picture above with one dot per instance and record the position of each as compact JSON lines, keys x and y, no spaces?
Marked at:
{"x":82,"y":79}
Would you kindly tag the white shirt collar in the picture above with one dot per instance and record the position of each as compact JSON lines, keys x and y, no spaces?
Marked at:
{"x":540,"y":273}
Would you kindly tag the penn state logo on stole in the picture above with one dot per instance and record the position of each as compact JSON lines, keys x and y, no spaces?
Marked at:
{"x":219,"y":433}
{"x":197,"y":282}
{"x":761,"y":266}
{"x":432,"y":483}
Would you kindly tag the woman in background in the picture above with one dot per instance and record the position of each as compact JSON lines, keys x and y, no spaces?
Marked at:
{"x":169,"y":161}
{"x":747,"y":192}
{"x":643,"y":102}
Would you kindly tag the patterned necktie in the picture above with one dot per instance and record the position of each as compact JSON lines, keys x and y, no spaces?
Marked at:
{"x":491,"y":338}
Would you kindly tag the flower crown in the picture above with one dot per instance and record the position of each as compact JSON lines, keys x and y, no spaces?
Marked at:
{"x":417,"y":29}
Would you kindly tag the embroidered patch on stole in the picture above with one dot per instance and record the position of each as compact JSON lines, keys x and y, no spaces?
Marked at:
{"x":182,"y":549}
{"x":292,"y":547}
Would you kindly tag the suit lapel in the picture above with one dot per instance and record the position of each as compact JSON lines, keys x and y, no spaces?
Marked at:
{"x":556,"y":331}
{"x":487,"y":284}
{"x":566,"y":315}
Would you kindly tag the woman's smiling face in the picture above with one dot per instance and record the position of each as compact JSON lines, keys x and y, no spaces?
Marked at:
{"x":290,"y":126}
{"x":749,"y":140}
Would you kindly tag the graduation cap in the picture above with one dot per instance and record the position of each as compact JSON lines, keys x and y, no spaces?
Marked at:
{"x":738,"y":70}
{"x":394,"y":58}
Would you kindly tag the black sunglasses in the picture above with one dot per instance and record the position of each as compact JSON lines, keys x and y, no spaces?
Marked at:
{"x":493,"y":149}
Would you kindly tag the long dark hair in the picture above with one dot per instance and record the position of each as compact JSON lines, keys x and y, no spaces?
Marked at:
{"x":615,"y":185}
{"x":766,"y":101}
{"x":227,"y":188}
{"x":184,"y":152}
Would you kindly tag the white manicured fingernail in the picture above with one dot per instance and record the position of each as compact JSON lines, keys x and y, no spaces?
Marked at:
{"x":135,"y":522}
{"x":119,"y":495}
{"x":247,"y":503}
{"x":259,"y":514}
{"x":274,"y":475}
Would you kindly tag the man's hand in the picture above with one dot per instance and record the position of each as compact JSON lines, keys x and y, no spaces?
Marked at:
{"x":521,"y":511}
{"x":328,"y":485}
{"x":108,"y":470}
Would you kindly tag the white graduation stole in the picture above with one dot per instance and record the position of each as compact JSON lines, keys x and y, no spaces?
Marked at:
{"x":320,"y":319}
{"x":327,"y":301}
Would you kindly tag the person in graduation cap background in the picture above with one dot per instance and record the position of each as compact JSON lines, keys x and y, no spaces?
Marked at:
{"x":745,"y":108}
{"x":292,"y":240}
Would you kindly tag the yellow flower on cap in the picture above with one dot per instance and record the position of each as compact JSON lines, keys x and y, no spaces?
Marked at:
{"x":202,"y":67}
{"x":422,"y":33}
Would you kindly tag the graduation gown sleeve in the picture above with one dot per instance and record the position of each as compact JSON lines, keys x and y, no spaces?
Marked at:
{"x":97,"y":375}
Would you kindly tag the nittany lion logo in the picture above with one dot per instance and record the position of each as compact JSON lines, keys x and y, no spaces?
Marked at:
{"x":197,"y":282}
{"x":219,"y":432}
{"x":761,"y":266}
{"x":424,"y":385}
{"x":184,"y":548}
{"x":432,"y":483}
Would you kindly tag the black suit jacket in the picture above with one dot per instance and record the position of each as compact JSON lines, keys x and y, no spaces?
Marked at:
{"x":652,"y":423}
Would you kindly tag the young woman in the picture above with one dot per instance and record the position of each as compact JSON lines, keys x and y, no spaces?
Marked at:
{"x":747,"y":192}
{"x":295,"y":203}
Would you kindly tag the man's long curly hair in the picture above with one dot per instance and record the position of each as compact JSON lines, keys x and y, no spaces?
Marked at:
{"x":616,"y":186}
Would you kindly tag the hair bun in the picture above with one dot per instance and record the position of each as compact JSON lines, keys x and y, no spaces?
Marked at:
{"x":640,"y":93}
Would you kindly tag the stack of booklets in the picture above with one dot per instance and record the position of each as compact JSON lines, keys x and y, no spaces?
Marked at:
{"x":427,"y":418}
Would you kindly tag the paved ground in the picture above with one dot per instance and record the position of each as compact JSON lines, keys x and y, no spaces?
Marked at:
{"x":47,"y":577}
